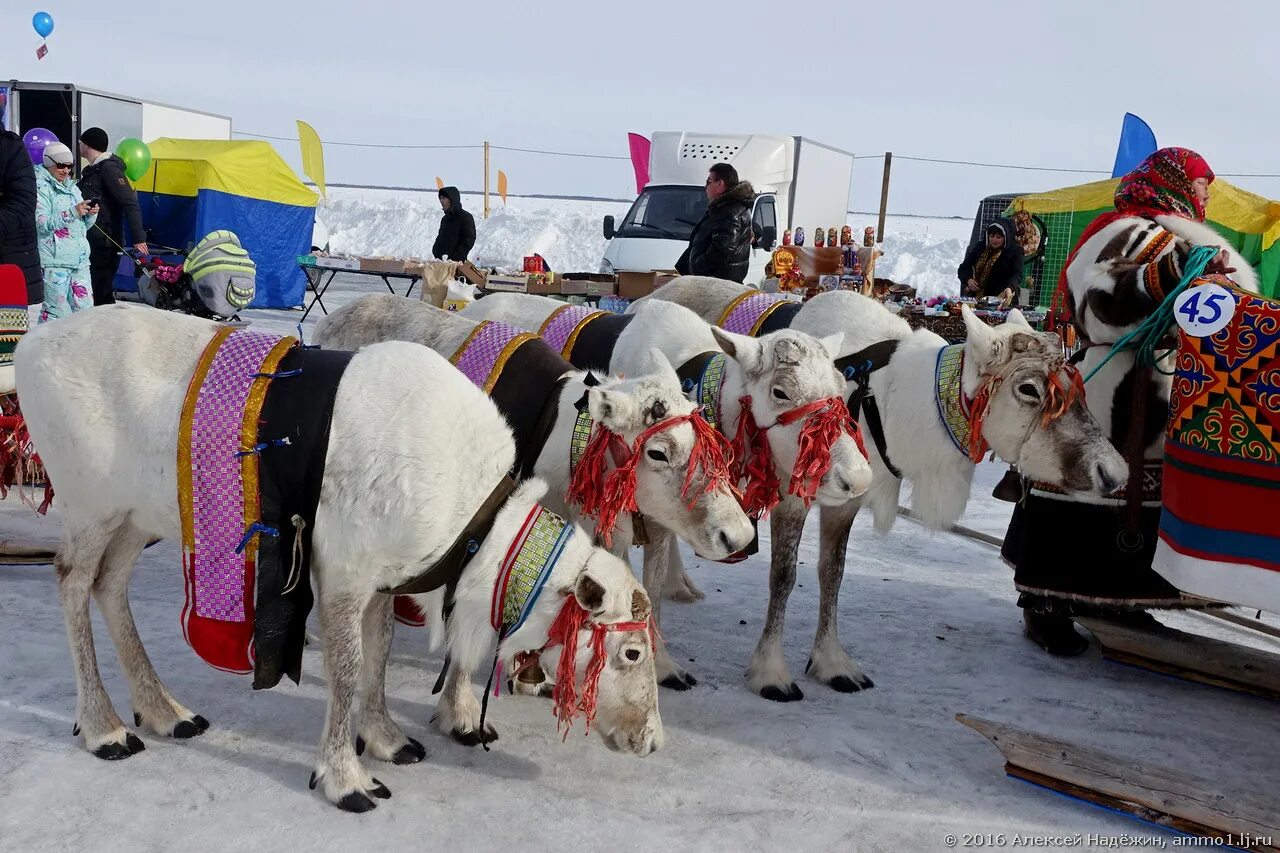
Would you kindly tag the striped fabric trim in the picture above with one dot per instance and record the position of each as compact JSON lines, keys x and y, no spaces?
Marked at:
{"x":484,"y":354}
{"x":746,"y":313}
{"x":562,"y":328}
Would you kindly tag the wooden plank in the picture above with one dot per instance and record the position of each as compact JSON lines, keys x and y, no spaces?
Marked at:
{"x":1191,"y":656}
{"x":957,"y":528}
{"x":884,"y":196}
{"x":27,"y":552}
{"x":1167,"y":797}
{"x":1244,"y":622}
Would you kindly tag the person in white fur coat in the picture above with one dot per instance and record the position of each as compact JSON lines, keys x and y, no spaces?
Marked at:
{"x":1078,"y":555}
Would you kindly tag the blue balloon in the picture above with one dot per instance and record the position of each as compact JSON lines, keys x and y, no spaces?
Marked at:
{"x":43,"y":23}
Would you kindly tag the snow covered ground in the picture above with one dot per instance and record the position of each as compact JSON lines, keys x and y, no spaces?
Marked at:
{"x":931,"y":617}
{"x":920,"y":251}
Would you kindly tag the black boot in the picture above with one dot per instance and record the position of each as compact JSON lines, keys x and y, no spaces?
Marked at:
{"x":1054,"y":632}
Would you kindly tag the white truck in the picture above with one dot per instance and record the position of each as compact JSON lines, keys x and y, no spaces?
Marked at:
{"x":800,"y":182}
{"x":68,"y":110}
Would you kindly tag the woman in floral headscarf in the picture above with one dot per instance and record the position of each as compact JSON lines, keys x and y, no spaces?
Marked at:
{"x":1089,"y":555}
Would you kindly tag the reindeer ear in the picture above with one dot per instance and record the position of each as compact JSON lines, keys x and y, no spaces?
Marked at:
{"x":746,"y":351}
{"x":1015,"y":318}
{"x":654,"y":364}
{"x":832,"y":344}
{"x":640,"y":608}
{"x":589,"y":592}
{"x":981,"y":343}
{"x":615,"y":410}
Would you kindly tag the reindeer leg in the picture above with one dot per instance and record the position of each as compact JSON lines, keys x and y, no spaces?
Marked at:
{"x":458,"y":713}
{"x":379,"y":734}
{"x":77,"y":564}
{"x":346,"y":783}
{"x":658,"y":554}
{"x":768,"y":674}
{"x":153,"y":706}
{"x":679,"y":586}
{"x":828,"y":662}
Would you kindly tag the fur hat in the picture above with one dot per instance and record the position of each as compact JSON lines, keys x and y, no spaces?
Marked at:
{"x":95,"y":138}
{"x":57,"y":154}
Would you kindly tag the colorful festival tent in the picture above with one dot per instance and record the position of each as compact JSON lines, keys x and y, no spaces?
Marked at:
{"x":1249,"y":222}
{"x":197,"y":186}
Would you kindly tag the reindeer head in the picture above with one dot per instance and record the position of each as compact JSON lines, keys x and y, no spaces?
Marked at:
{"x":1033,"y":412}
{"x":676,"y":466}
{"x":605,"y":641}
{"x":784,"y":372}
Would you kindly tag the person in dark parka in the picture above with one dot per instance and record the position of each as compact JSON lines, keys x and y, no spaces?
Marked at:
{"x":18,"y":213}
{"x":720,"y":245}
{"x":457,"y":229}
{"x":104,"y":180}
{"x":993,"y":267}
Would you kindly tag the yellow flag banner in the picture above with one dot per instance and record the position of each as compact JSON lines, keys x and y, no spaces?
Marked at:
{"x":312,"y":154}
{"x":439,"y":183}
{"x":502,"y":186}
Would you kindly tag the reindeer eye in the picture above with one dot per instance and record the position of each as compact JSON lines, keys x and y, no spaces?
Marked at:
{"x":1029,"y":390}
{"x":779,"y":394}
{"x":657,"y":456}
{"x":633,"y":655}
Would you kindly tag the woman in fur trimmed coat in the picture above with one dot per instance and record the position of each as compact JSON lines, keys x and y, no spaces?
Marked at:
{"x":1075,"y":554}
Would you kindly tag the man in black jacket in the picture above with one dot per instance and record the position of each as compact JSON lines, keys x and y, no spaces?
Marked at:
{"x":457,"y":229}
{"x":18,"y":213}
{"x":104,"y":180}
{"x":720,"y":245}
{"x":993,"y":268}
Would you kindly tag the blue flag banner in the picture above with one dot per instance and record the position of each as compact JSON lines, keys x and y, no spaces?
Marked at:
{"x":1136,"y":142}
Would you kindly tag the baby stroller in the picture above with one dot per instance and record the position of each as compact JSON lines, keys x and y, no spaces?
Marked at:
{"x":215,"y":280}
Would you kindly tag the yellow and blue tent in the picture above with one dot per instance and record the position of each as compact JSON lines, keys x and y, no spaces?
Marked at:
{"x":196,"y":186}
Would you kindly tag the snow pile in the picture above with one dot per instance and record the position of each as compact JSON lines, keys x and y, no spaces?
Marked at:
{"x":404,"y":224}
{"x":922,"y":252}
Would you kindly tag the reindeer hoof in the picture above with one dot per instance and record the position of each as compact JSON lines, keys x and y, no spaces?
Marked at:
{"x":844,"y":684}
{"x":791,"y":693}
{"x":134,"y":743}
{"x":75,"y":730}
{"x":379,"y":790}
{"x":116,"y":751}
{"x":475,"y":738}
{"x":359,"y":745}
{"x":679,"y":681}
{"x":410,"y":753}
{"x":190,"y":728}
{"x":356,"y":802}
{"x":313,"y":781}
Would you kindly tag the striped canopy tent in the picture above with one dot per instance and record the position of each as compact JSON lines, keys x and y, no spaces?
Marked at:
{"x":1249,"y":222}
{"x":197,"y":186}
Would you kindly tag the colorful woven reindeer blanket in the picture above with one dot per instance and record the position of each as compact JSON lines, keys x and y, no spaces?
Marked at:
{"x":1220,"y":521}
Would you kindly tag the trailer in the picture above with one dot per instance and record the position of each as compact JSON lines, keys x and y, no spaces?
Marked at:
{"x":68,"y":110}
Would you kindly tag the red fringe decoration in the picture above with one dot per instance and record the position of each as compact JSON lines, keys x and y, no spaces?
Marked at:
{"x":827,"y":420}
{"x":605,"y":497}
{"x":19,"y":463}
{"x":753,"y":462}
{"x":1060,"y":394}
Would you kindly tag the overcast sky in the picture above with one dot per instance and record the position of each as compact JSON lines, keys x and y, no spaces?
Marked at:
{"x":1029,"y":83}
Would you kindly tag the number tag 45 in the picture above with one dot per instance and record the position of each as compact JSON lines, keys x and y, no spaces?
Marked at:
{"x":1205,"y":310}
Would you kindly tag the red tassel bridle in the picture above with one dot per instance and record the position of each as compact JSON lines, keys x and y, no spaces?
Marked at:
{"x":827,"y":420}
{"x":1060,"y":394}
{"x":605,"y":495}
{"x":567,"y":701}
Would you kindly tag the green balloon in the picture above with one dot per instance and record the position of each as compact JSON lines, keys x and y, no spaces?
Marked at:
{"x":136,"y":156}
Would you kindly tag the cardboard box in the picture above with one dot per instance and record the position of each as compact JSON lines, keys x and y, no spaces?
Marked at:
{"x":382,"y":265}
{"x":585,"y":284}
{"x":543,"y":283}
{"x":473,"y":274}
{"x":515,"y":283}
{"x":601,"y":288}
{"x":633,"y":285}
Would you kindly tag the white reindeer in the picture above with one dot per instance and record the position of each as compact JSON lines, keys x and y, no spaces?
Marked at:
{"x":102,"y":393}
{"x":1070,"y":450}
{"x":780,"y":372}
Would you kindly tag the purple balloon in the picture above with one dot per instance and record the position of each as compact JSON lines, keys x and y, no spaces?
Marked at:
{"x":36,"y":139}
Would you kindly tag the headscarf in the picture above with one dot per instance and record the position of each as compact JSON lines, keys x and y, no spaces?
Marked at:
{"x":1161,"y":185}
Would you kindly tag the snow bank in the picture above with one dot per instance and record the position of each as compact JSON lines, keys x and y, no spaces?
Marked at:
{"x":919,"y":251}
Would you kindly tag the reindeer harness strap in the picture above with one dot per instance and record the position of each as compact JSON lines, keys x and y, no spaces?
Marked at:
{"x":857,"y":368}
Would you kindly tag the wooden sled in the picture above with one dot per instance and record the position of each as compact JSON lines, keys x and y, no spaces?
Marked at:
{"x":27,"y":552}
{"x":1164,"y":797}
{"x":1191,"y":657}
